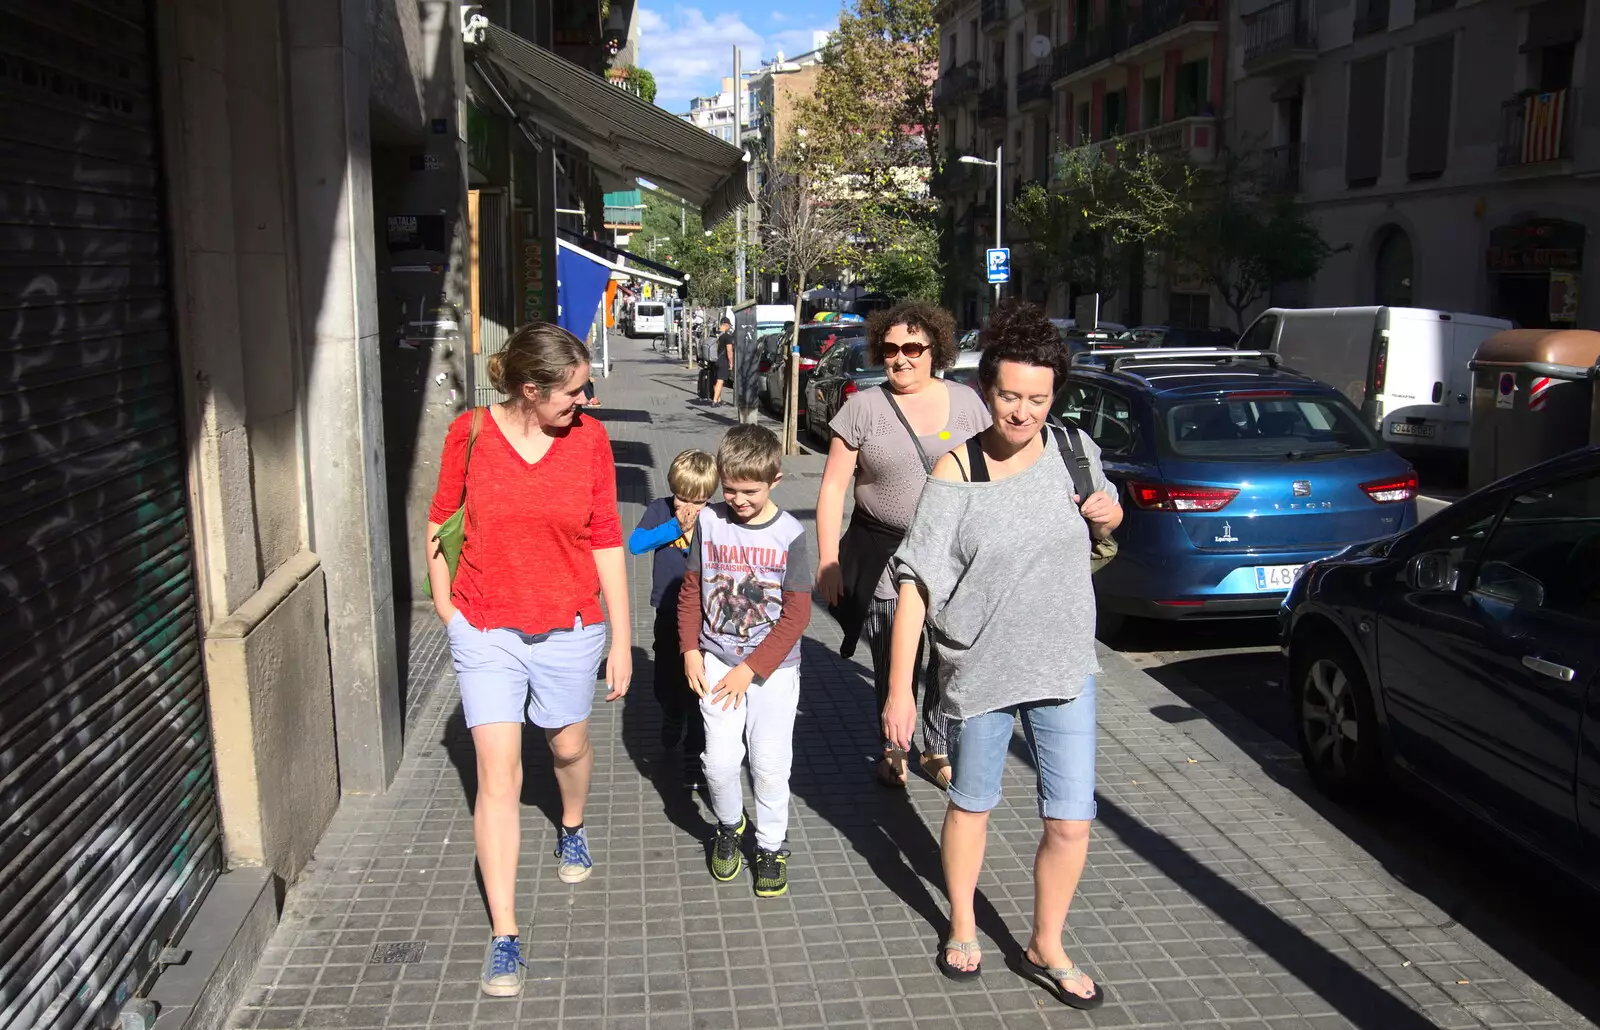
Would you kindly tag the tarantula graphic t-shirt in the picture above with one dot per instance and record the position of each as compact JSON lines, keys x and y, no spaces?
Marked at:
{"x":744,"y":572}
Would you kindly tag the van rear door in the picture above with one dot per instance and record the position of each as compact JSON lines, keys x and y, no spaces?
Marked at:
{"x":1415,"y":376}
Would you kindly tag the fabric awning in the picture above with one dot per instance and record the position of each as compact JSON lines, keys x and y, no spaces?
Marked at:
{"x":620,"y":132}
{"x":637,"y":273}
{"x":617,"y":254}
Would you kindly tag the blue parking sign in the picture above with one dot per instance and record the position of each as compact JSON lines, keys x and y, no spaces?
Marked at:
{"x":999,"y":264}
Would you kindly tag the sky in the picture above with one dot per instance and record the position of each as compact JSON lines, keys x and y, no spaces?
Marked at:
{"x":689,"y":48}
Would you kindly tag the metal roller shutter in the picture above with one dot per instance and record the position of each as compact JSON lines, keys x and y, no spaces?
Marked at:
{"x":108,"y":818}
{"x":496,"y":313}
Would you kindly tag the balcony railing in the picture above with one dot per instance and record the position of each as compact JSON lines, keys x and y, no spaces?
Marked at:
{"x":1087,"y":48}
{"x":992,"y":14}
{"x":957,"y":82}
{"x":1191,"y":139}
{"x":1033,"y":86}
{"x":1280,"y":167}
{"x":1280,"y":29}
{"x":992,"y":102}
{"x":1537,"y":127}
{"x":1159,"y":17}
{"x":1371,"y":16}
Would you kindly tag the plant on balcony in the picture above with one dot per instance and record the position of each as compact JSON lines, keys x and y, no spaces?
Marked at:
{"x":642,"y":83}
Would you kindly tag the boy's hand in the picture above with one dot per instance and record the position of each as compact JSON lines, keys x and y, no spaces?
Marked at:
{"x":694,"y":669}
{"x":687,"y":514}
{"x":730,"y":689}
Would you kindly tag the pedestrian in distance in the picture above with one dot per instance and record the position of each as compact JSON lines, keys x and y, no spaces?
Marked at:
{"x":745,"y":604}
{"x":884,"y":444}
{"x":997,"y":564}
{"x":665,"y":531}
{"x":724,"y":361}
{"x":543,"y":546}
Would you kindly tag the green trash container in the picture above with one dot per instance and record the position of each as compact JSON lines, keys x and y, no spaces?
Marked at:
{"x":1533,"y":398}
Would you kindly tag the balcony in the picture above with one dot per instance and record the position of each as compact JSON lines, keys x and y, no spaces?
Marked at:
{"x":1536,"y":128}
{"x":1160,"y":18}
{"x":992,"y":103}
{"x":1280,"y":168}
{"x":624,"y":210}
{"x":1033,"y":87}
{"x":1086,"y":49}
{"x":1281,"y":38}
{"x":993,"y":15}
{"x":1372,"y":16}
{"x":1193,"y":140}
{"x":958,"y":82}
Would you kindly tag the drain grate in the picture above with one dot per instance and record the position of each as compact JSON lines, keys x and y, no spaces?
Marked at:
{"x":398,"y":954}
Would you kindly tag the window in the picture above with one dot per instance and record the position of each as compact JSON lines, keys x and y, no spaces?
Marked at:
{"x":1190,"y":310}
{"x":1260,"y":335}
{"x":1545,"y":553}
{"x":1076,"y":403}
{"x":1081,"y":127}
{"x":1264,"y":425}
{"x":1363,"y":146}
{"x":858,"y":359}
{"x":949,"y":51}
{"x":1150,"y":102}
{"x":1114,"y":428}
{"x":1191,"y":89}
{"x":1114,"y":114}
{"x":1432,"y":84}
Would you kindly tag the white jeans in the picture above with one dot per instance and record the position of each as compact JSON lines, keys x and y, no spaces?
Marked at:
{"x":764,"y":721}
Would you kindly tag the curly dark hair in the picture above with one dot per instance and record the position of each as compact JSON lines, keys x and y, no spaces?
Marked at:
{"x":1020,"y":332}
{"x":932,"y":321}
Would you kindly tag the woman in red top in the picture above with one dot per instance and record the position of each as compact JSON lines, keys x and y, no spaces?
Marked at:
{"x":543,"y":545}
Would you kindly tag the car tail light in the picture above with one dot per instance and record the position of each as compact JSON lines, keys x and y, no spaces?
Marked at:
{"x":1380,"y":367}
{"x":1392,"y":491}
{"x":807,"y":364}
{"x":766,"y":366}
{"x":849,"y":387}
{"x":1162,"y":497}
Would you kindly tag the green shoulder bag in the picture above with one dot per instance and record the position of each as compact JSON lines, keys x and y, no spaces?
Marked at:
{"x":453,"y":530}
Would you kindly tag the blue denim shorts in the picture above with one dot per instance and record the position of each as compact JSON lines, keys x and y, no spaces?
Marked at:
{"x":506,"y":676}
{"x":1061,"y":742}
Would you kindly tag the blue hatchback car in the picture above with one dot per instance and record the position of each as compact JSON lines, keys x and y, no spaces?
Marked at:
{"x":1233,"y":474}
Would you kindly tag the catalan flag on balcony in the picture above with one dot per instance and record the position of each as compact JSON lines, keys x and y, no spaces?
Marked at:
{"x":1543,"y":115}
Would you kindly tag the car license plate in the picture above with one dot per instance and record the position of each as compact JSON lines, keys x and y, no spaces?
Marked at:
{"x":1410,"y":429}
{"x":1276,"y":577}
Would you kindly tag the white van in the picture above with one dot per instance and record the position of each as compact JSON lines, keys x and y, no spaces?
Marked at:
{"x":649,"y":319}
{"x":1405,"y":368}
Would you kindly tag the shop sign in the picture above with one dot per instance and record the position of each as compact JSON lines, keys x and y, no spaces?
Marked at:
{"x":414,"y":232}
{"x":1536,"y":246}
{"x":1563,"y":297}
{"x":531,"y":274}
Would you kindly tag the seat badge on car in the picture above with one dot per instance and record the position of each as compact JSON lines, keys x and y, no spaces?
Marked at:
{"x":1302,"y":488}
{"x":1227,"y":536}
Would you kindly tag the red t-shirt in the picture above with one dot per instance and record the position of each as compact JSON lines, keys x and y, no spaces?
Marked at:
{"x":531,"y":530}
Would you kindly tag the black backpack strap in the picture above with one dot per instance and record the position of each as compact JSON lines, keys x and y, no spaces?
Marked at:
{"x":980,"y":468}
{"x":1078,"y":467}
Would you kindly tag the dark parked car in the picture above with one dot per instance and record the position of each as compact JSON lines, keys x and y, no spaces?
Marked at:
{"x":1233,"y":474}
{"x":1465,"y":652}
{"x":844,"y":370}
{"x":815,"y":341}
{"x":1179,"y":336}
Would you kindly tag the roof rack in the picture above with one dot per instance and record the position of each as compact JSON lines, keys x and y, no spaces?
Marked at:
{"x":1112,"y":360}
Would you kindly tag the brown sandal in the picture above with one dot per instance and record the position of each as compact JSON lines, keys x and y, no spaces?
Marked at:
{"x":892,"y":768}
{"x":937,"y":769}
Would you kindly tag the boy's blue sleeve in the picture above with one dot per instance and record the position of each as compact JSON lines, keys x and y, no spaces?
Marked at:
{"x":657,"y":528}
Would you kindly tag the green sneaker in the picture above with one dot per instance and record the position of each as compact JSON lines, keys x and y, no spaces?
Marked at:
{"x":726,"y":858}
{"x":772,"y":873}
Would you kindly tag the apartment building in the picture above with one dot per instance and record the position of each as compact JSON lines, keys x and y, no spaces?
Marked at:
{"x":1445,"y":147}
{"x":1031,"y":76}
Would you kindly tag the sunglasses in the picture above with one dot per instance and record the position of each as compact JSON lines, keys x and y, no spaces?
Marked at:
{"x":910,"y":350}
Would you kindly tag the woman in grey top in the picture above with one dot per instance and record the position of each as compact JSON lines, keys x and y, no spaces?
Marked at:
{"x":886,"y":440}
{"x":996,"y":563}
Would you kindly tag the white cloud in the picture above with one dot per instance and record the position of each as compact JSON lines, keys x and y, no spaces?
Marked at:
{"x":689,"y":54}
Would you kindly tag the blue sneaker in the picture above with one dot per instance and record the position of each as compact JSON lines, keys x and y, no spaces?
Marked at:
{"x":502,"y":967}
{"x":573,"y":850}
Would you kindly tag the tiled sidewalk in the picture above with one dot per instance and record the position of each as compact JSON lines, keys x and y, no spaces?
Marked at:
{"x":1208,"y":901}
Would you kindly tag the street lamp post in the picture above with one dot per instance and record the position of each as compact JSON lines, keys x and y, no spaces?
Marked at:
{"x":997,"y":165}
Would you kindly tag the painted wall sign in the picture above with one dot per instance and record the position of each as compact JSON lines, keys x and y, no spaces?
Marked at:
{"x":415,"y":232}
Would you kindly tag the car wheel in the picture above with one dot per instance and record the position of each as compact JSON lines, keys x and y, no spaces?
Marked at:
{"x":1335,"y":720}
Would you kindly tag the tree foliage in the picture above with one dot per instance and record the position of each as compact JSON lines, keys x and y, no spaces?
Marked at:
{"x":643,"y":83}
{"x":683,"y":244}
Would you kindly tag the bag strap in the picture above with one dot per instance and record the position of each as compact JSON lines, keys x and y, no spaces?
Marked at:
{"x":927,"y":463}
{"x":472,"y":441}
{"x":1078,"y":467}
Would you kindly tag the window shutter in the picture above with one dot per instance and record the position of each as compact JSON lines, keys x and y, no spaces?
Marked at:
{"x":1363,"y":159}
{"x":1432,"y":80}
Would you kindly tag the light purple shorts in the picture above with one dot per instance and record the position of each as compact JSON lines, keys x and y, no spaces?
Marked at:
{"x":506,"y":676}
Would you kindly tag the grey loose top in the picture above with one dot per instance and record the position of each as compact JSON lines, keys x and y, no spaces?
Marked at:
{"x":889,"y":472}
{"x":1006,"y":569}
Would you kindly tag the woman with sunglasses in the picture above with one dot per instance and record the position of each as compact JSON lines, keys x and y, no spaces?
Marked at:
{"x":887,"y":441}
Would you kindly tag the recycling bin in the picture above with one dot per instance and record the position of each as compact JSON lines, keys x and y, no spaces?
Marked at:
{"x":1533,"y":397}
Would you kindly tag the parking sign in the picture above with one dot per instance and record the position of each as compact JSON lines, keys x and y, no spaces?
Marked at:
{"x":999,"y":264}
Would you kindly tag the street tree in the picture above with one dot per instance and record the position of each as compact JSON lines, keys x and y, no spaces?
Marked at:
{"x":803,"y":228}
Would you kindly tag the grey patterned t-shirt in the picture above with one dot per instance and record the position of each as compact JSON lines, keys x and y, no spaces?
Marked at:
{"x":889,"y":474}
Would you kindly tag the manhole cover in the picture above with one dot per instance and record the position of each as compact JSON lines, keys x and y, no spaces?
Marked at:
{"x":395,"y":954}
